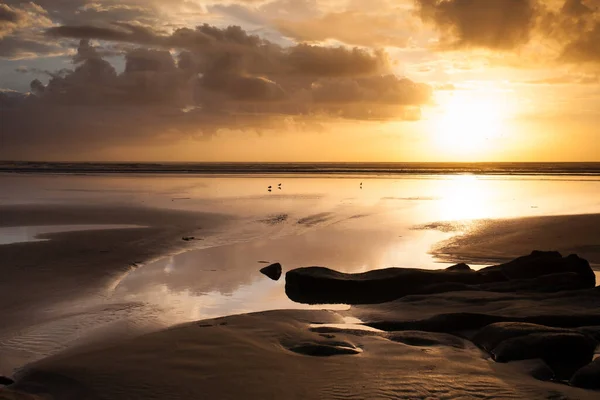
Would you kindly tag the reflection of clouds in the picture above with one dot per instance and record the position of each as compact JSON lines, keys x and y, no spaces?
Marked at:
{"x":225,"y":280}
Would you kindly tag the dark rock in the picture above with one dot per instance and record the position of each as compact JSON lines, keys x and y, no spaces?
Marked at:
{"x":445,"y":323}
{"x":419,"y":338}
{"x":592,"y":331}
{"x":588,"y":377}
{"x":4,"y":381}
{"x":459,"y":267}
{"x":492,"y":335}
{"x":461,"y":322}
{"x":541,"y":372}
{"x":542,"y":284}
{"x":564,"y":353}
{"x":325,"y":349}
{"x":318,"y":285}
{"x":273,"y":271}
{"x":446,"y":287}
{"x":538,"y":272}
{"x":540,"y":263}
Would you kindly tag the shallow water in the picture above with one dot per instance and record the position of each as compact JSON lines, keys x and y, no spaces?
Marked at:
{"x":21,"y":234}
{"x":327,"y":221}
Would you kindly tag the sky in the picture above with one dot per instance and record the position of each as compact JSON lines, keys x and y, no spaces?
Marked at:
{"x":300,"y":80}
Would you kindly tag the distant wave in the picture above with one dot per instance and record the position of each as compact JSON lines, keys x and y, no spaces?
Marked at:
{"x":575,"y":168}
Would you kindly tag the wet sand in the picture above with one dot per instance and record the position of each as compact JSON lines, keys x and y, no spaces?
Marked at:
{"x":254,"y":355}
{"x":265,"y":354}
{"x":496,"y":241}
{"x":37,"y":277}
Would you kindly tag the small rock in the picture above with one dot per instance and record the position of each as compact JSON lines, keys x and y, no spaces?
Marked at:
{"x":190,"y":238}
{"x":273,"y":271}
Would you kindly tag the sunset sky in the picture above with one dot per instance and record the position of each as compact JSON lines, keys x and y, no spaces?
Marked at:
{"x":300,"y":80}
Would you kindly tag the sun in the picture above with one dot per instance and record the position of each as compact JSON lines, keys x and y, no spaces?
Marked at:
{"x":469,"y":122}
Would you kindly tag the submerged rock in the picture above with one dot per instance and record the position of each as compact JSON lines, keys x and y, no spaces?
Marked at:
{"x":588,"y":377}
{"x":537,"y":272}
{"x":273,"y":271}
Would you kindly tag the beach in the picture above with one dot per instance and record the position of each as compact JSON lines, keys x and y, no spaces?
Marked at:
{"x":162,"y":296}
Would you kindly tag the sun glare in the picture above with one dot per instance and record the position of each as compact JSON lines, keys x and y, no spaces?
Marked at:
{"x":469,"y":122}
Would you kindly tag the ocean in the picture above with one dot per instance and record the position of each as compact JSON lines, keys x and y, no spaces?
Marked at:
{"x":378,"y":169}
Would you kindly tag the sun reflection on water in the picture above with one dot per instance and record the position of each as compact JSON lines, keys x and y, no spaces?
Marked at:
{"x":463,"y":198}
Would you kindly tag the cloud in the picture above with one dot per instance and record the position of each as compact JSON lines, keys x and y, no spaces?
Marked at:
{"x":583,"y":49}
{"x":21,"y":31}
{"x":351,"y":27}
{"x":259,"y":56}
{"x":214,"y":80}
{"x":566,"y":79}
{"x":494,"y":24}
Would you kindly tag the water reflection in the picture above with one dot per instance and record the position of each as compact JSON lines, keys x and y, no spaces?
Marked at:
{"x":332,"y":223}
{"x":465,"y":198}
{"x":226,"y":280}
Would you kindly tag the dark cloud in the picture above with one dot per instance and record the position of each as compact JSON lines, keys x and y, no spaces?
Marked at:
{"x":494,"y":24}
{"x":22,"y":47}
{"x":7,"y":14}
{"x":387,"y":89}
{"x":95,"y":11}
{"x":258,"y":56}
{"x":584,"y":48}
{"x":335,"y":61}
{"x":21,"y":31}
{"x":576,"y":8}
{"x":215,"y":79}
